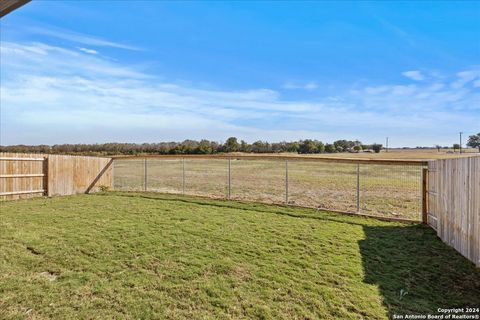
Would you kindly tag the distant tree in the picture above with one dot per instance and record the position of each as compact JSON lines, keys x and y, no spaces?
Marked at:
{"x":320,"y":147}
{"x":216,"y":147}
{"x":307,"y":146}
{"x":456,"y":146}
{"x":357,"y":148}
{"x":188,"y":146}
{"x":344,"y":145}
{"x":204,"y":147}
{"x":438,"y":147}
{"x":279,"y":147}
{"x":231,"y":145}
{"x":261,"y":147}
{"x":293,"y":146}
{"x":330,"y":148}
{"x":474,"y":141}
{"x":178,"y":149}
{"x":377,"y":147}
{"x":245,"y":147}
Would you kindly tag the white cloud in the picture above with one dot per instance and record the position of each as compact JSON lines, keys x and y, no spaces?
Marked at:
{"x":39,"y":58}
{"x":79,"y":38}
{"x":414,"y":75}
{"x":55,"y":95}
{"x":86,"y":50}
{"x":465,"y":77}
{"x":306,"y":86}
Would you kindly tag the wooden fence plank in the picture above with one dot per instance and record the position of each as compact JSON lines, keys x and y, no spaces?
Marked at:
{"x":24,"y":175}
{"x":454,"y":204}
{"x":14,"y":171}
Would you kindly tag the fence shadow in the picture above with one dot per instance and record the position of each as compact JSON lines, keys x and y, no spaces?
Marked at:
{"x":293,"y":212}
{"x":415,"y":272}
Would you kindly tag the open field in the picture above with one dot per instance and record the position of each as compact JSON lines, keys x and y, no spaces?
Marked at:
{"x":385,"y":190}
{"x":127,"y":255}
{"x":395,"y":154}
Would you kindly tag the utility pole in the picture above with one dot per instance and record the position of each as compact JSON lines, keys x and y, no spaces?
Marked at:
{"x":460,"y":142}
{"x":386,"y":146}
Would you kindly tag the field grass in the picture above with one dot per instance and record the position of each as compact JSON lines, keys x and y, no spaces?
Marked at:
{"x":385,"y":190}
{"x":397,"y":154}
{"x":138,"y":256}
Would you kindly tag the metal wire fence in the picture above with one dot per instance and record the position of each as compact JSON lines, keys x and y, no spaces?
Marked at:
{"x":393,"y":190}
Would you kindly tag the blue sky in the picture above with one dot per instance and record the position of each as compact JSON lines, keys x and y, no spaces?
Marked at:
{"x":146,"y":71}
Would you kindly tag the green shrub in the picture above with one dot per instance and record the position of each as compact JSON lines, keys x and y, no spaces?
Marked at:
{"x":377,"y":147}
{"x":104,"y":188}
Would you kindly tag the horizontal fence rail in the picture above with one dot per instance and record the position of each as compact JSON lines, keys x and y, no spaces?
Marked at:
{"x":384,"y":188}
{"x":20,"y":159}
{"x":33,"y":175}
{"x":22,"y":175}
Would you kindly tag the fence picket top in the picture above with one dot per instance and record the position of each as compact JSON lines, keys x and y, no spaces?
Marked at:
{"x":21,"y":159}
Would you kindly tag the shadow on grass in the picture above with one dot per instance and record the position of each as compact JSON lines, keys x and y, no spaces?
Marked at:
{"x":293,"y":212}
{"x":416,"y":272}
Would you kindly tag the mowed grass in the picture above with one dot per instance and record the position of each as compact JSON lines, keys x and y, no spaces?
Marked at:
{"x":142,"y":256}
{"x":385,"y":190}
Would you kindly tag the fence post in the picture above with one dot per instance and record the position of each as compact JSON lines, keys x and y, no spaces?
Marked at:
{"x":45,"y":176}
{"x":286,"y":181}
{"x":183,"y":176}
{"x":229,"y":178}
{"x":145,"y":174}
{"x":425,"y":195}
{"x":358,"y":187}
{"x":113,"y":175}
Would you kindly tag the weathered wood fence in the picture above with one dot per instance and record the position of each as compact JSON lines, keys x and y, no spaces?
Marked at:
{"x":454,"y":203}
{"x":29,"y":175}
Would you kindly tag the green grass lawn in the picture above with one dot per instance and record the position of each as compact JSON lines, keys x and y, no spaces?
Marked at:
{"x":127,"y":255}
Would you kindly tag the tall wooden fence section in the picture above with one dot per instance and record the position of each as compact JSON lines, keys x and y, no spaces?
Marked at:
{"x":22,"y":175}
{"x":454,"y":204}
{"x":30,"y":175}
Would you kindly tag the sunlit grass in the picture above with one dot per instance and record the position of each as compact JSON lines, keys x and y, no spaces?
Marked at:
{"x":126,"y":255}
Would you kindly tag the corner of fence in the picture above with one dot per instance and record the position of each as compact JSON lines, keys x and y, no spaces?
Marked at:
{"x":425,"y":195}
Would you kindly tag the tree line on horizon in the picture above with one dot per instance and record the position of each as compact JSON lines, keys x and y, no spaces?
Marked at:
{"x":307,"y":146}
{"x":204,"y":146}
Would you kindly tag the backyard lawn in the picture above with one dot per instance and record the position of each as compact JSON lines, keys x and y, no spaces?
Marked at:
{"x":131,"y":255}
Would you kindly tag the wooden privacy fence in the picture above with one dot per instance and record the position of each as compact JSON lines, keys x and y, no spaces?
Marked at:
{"x":29,"y":175}
{"x":454,"y":203}
{"x":22,"y":175}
